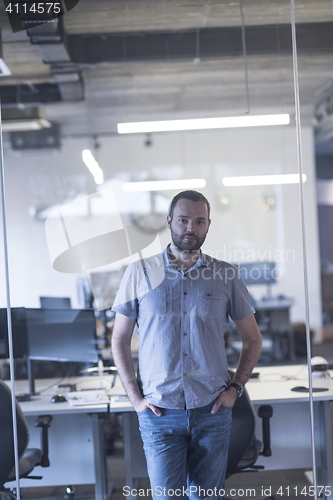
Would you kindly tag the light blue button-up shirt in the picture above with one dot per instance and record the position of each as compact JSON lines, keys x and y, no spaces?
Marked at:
{"x":181,"y":326}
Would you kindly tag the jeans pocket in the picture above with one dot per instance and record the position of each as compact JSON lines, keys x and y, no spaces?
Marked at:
{"x":143,"y":411}
{"x":225,"y":408}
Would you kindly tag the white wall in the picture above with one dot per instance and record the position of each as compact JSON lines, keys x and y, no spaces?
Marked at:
{"x":240,"y":229}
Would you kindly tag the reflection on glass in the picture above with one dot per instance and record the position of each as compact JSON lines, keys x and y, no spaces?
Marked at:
{"x":163,"y":62}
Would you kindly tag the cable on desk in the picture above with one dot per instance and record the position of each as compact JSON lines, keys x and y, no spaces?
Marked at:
{"x":282,"y":376}
{"x":292,"y":377}
{"x":105,"y":379}
{"x":52,"y":385}
{"x":63,"y":378}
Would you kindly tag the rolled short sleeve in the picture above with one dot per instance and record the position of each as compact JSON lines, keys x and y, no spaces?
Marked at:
{"x":133,"y":285}
{"x":240,"y":304}
{"x":125,"y":302}
{"x":129,"y":309}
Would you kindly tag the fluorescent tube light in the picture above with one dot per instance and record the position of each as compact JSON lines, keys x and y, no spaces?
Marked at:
{"x":164,"y":185}
{"x":20,"y":125}
{"x":93,"y":166}
{"x":262,"y":180}
{"x":4,"y":70}
{"x":203,"y":123}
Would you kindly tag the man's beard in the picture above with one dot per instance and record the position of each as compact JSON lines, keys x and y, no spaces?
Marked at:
{"x":187,"y":246}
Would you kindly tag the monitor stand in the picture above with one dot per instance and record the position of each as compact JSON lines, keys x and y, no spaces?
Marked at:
{"x":31,"y":377}
{"x":268,"y":295}
{"x":31,"y":382}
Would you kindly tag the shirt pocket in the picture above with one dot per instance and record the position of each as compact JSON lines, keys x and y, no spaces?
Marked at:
{"x":212,"y":304}
{"x":163,"y":301}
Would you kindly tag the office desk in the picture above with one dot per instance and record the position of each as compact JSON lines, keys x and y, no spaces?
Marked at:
{"x":76,"y":437}
{"x":290,"y":424}
{"x":76,"y":433}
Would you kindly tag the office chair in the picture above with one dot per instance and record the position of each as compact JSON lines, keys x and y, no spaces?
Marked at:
{"x":244,"y":448}
{"x":28,"y":458}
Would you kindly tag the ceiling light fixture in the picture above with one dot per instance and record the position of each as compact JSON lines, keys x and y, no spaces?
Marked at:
{"x":203,"y":123}
{"x":262,"y":180}
{"x":20,"y":118}
{"x":21,"y":125}
{"x":164,"y":185}
{"x":93,"y":166}
{"x":4,"y":70}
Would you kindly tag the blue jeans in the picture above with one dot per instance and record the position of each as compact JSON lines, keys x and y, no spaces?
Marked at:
{"x":186,"y":451}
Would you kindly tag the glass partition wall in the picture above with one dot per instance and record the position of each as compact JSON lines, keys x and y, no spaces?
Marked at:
{"x":74,"y":219}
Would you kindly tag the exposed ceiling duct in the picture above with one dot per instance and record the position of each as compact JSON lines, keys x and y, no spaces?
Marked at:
{"x":147,"y":60}
{"x":69,"y":81}
{"x":65,"y":54}
{"x":212,"y":43}
{"x":51,"y":41}
{"x":29,"y":94}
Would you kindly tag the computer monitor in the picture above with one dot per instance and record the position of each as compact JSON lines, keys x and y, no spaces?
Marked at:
{"x":258,"y":273}
{"x":62,"y":334}
{"x":19,"y":333}
{"x":55,"y":302}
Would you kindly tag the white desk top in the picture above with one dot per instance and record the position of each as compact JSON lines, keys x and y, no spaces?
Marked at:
{"x":47,"y":388}
{"x":273,"y":385}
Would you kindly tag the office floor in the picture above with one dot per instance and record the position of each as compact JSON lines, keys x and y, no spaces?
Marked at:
{"x":248,"y":485}
{"x":254,"y":485}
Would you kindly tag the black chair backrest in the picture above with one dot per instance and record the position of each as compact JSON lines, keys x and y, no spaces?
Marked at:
{"x":6,"y":432}
{"x":242,"y":431}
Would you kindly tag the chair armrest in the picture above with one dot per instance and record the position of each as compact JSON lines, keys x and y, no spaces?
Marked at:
{"x":44,"y":422}
{"x":265,"y":412}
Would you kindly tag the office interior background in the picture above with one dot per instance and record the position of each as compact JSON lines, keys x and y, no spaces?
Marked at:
{"x":110,"y":62}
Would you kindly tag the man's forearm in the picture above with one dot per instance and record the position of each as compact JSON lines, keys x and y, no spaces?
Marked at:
{"x":251,"y":338}
{"x":248,"y":359}
{"x":123,"y":359}
{"x":121,"y":350}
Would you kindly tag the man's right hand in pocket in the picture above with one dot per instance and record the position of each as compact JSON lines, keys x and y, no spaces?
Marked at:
{"x":144,"y":404}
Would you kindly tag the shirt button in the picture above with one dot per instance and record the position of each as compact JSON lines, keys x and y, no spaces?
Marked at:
{"x":185,"y":293}
{"x":185,"y":354}
{"x":185,"y":312}
{"x":185,"y":333}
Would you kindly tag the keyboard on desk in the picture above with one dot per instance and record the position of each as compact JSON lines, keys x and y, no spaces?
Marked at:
{"x":23,"y":397}
{"x":93,"y":397}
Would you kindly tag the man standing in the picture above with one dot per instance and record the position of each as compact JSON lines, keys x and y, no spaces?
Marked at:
{"x":184,"y":395}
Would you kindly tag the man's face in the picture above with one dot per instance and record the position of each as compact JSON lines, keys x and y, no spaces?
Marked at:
{"x":189,"y":225}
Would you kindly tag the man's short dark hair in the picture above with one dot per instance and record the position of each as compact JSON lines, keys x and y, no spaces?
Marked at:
{"x":188,"y":195}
